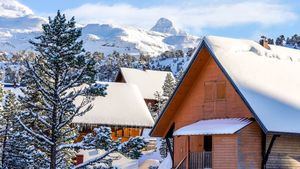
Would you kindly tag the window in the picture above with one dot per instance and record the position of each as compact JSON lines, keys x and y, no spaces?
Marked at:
{"x":221,"y":90}
{"x":209,"y":91}
{"x":120,"y":132}
{"x":214,"y":90}
{"x":127,"y":132}
{"x":207,"y":143}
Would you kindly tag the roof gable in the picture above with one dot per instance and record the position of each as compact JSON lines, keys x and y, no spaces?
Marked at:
{"x":165,"y":120}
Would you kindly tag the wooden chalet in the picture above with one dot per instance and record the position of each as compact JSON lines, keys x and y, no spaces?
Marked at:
{"x":123,"y":109}
{"x":237,"y":106}
{"x":148,"y":81}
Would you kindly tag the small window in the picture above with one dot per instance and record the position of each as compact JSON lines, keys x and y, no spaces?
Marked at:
{"x":208,"y":91}
{"x":126,"y":132}
{"x":221,"y":90}
{"x":207,"y":143}
{"x":120,"y":132}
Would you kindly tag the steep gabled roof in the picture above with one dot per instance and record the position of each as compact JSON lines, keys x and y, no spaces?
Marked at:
{"x":148,"y":81}
{"x":266,"y":80}
{"x":122,"y":106}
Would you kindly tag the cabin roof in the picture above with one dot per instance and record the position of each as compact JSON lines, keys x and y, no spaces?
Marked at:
{"x":122,"y":106}
{"x":266,"y":79}
{"x":148,"y":81}
{"x":213,"y":126}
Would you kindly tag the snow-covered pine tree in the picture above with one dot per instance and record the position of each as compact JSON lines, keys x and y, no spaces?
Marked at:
{"x":161,"y":99}
{"x":102,"y":139}
{"x":7,"y":119}
{"x":179,"y":76}
{"x":48,"y":108}
{"x":168,"y":89}
{"x":16,"y":149}
{"x":169,"y":86}
{"x":158,"y":106}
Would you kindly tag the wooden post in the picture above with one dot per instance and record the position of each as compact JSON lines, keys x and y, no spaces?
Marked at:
{"x":188,"y":153}
{"x":170,"y":148}
{"x":266,"y":157}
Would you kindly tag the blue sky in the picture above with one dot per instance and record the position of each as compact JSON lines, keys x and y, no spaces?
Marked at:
{"x":232,"y":18}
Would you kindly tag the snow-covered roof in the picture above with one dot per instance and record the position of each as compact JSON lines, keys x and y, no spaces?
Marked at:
{"x":123,"y":106}
{"x":213,"y":126}
{"x":268,"y":80}
{"x":148,"y":81}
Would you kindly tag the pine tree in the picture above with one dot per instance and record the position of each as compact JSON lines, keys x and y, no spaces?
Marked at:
{"x":16,"y":149}
{"x":280,"y":40}
{"x":54,"y":79}
{"x":7,"y":121}
{"x":101,"y":138}
{"x":161,"y":99}
{"x":179,"y":76}
{"x":169,"y":85}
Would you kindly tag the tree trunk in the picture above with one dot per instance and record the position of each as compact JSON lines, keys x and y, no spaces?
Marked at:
{"x":53,"y":157}
{"x":53,"y":150}
{"x":4,"y":146}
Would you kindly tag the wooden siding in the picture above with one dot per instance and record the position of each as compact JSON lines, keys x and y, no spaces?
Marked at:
{"x":196,"y":143}
{"x":250,"y":147}
{"x":224,"y":152}
{"x":285,"y":153}
{"x":195,"y":107}
{"x":180,"y":148}
{"x":188,"y":104}
{"x":117,"y":132}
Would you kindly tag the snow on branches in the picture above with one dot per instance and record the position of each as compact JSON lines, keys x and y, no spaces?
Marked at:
{"x":101,"y":139}
{"x":60,"y":66}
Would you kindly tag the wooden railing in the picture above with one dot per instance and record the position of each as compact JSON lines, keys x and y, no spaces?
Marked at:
{"x":196,"y":160}
{"x":182,"y":164}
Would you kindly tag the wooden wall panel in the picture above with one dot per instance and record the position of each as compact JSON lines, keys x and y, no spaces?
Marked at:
{"x":224,"y":152}
{"x":196,"y":143}
{"x":285,"y":153}
{"x":194,"y":107}
{"x":180,"y":149}
{"x":250,"y":147}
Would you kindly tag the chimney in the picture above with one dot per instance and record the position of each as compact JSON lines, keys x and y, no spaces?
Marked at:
{"x":264,"y":42}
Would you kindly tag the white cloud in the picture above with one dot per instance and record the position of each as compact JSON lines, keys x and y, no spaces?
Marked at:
{"x":196,"y":16}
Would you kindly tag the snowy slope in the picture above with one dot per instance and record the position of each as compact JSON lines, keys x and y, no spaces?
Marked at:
{"x":18,"y":24}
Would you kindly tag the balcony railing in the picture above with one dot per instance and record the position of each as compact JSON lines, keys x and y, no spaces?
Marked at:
{"x":196,"y":160}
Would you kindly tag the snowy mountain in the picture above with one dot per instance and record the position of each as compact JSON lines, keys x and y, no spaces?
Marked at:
{"x":18,"y":24}
{"x":164,"y":25}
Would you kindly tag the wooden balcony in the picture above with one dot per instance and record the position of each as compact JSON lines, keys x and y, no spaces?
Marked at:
{"x":196,"y":160}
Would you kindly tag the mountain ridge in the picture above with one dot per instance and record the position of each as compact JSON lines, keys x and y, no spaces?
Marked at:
{"x":18,"y":24}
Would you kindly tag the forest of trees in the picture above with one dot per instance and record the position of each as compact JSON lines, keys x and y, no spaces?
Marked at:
{"x":292,"y":41}
{"x":36,"y":130}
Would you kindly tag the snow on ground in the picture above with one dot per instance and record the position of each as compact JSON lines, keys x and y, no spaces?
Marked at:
{"x":166,"y":163}
{"x":149,"y":158}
